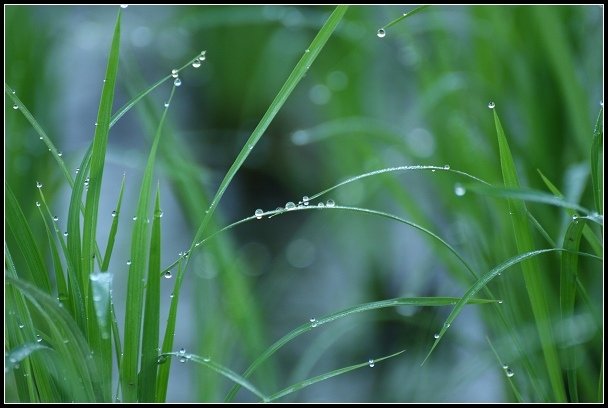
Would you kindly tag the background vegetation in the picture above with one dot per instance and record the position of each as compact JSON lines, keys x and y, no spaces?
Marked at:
{"x":417,"y":96}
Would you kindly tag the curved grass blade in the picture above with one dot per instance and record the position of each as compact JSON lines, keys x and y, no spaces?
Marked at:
{"x":220,"y":369}
{"x":137,"y":274}
{"x":596,"y":162}
{"x":149,"y":348}
{"x":404,"y":16}
{"x":403,"y":301}
{"x":323,"y":377}
{"x":16,"y":355}
{"x":480,"y":284}
{"x":536,"y":282}
{"x":294,"y":78}
{"x":35,"y":271}
{"x":113,"y":228}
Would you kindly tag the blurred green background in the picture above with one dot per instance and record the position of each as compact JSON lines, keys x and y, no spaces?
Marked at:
{"x":419,"y":95}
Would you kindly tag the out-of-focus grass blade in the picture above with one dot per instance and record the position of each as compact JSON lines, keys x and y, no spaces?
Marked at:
{"x":323,"y":377}
{"x":567,"y":286}
{"x":403,"y":301}
{"x":16,"y":355}
{"x":526,"y":195}
{"x":481,"y":283}
{"x":164,"y":369}
{"x":220,"y":369}
{"x":536,"y":282}
{"x":137,"y":275}
{"x":593,"y":240}
{"x":404,"y":16}
{"x":596,"y":162}
{"x":294,"y":78}
{"x":35,"y":271}
{"x":149,"y":348}
{"x":30,"y":118}
{"x":113,"y":229}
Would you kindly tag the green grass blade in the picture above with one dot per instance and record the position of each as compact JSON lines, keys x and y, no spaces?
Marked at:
{"x":149,"y":348}
{"x":294,"y":78}
{"x":306,"y":383}
{"x":220,"y":369}
{"x":137,"y":275}
{"x":164,"y":369}
{"x":35,"y":271}
{"x":596,"y":162}
{"x":536,"y":282}
{"x":18,"y":354}
{"x":403,"y":301}
{"x":404,"y":16}
{"x":480,"y":284}
{"x":113,"y":229}
{"x":503,"y":365}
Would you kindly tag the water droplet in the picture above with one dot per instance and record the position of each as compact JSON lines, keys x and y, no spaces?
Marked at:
{"x":38,"y":338}
{"x":129,"y":262}
{"x":38,"y":184}
{"x":371,"y":362}
{"x":161,"y":213}
{"x":433,"y":170}
{"x":174,"y":73}
{"x":37,"y":204}
{"x":166,"y":104}
{"x":135,"y":218}
{"x":491,"y":105}
{"x":436,"y":335}
{"x":171,"y":295}
{"x":446,"y":166}
{"x":504,"y":366}
{"x":203,"y":56}
{"x":305,"y":200}
{"x":113,"y":213}
{"x":321,"y":205}
{"x":97,"y":124}
{"x":574,"y":217}
{"x":196,"y":63}
{"x":13,"y":92}
{"x":65,"y":234}
{"x":447,"y":325}
{"x":59,"y":154}
{"x":313,"y":322}
{"x":40,"y":138}
{"x":15,"y":106}
{"x":258,"y":213}
{"x":161,"y":359}
{"x":279,"y":209}
{"x":177,"y":82}
{"x":459,"y":190}
{"x":509,"y":372}
{"x":381,"y":33}
{"x":168,"y":275}
{"x":290,"y":205}
{"x":21,"y":325}
{"x":182,"y":351}
{"x":124,"y":6}
{"x":330,"y":203}
{"x":206,"y":359}
{"x":183,"y":359}
{"x":500,"y":302}
{"x":601,"y":103}
{"x":77,"y":170}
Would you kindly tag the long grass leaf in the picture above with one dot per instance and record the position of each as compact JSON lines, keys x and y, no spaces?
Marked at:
{"x":596,"y":162}
{"x":410,"y":13}
{"x":113,"y":229}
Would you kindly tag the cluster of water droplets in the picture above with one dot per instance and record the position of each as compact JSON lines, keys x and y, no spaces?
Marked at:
{"x":313,"y":322}
{"x":508,"y":371}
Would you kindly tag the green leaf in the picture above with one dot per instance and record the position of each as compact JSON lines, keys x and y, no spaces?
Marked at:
{"x":404,"y":16}
{"x":596,"y":162}
{"x":113,"y":229}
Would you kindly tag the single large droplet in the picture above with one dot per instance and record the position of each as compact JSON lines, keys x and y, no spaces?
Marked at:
{"x":321,"y":205}
{"x":166,"y":104}
{"x":459,"y":190}
{"x":258,"y":213}
{"x":290,"y":205}
{"x":509,"y":372}
{"x":330,"y":203}
{"x":313,"y":322}
{"x":113,"y":213}
{"x":436,"y":335}
{"x":168,"y":275}
{"x":38,"y":184}
{"x":174,"y":73}
{"x":129,"y":262}
{"x":491,"y":105}
{"x":381,"y":33}
{"x":177,"y":82}
{"x":371,"y":362}
{"x":196,"y":63}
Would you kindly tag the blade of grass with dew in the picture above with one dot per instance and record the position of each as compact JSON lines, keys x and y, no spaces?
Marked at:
{"x":67,"y":340}
{"x":567,"y":285}
{"x":502,"y":365}
{"x":535,"y":281}
{"x":593,"y":240}
{"x":221,"y":370}
{"x":403,"y":301}
{"x":480,"y":284}
{"x":323,"y":377}
{"x":294,"y":78}
{"x":35,"y":270}
{"x":137,"y":274}
{"x":149,"y":348}
{"x":113,"y":228}
{"x":596,"y":162}
{"x":62,"y":289}
{"x":165,"y":367}
{"x":382,"y":30}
